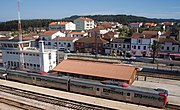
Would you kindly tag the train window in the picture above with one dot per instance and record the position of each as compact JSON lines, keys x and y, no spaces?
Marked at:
{"x":97,"y":89}
{"x":128,"y":94}
{"x":106,"y":90}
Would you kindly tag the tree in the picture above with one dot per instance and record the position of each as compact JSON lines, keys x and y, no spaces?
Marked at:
{"x":155,"y":48}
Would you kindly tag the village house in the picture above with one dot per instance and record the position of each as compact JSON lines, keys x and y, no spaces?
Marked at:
{"x":62,"y":26}
{"x":48,"y":36}
{"x":141,"y":42}
{"x":93,"y":44}
{"x":83,"y":23}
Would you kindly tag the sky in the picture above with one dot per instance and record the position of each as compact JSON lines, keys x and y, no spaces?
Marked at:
{"x":57,"y":9}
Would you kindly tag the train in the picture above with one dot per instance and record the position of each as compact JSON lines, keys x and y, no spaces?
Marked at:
{"x":115,"y":91}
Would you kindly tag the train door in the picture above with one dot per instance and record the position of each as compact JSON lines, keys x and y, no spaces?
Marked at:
{"x":98,"y":91}
{"x":33,"y":79}
{"x":129,"y":96}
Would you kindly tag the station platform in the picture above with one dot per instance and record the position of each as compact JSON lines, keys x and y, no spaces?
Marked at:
{"x":77,"y":97}
{"x":173,"y":87}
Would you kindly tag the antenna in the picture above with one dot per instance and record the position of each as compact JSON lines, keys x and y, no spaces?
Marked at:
{"x":19,"y":22}
{"x":20,"y":38}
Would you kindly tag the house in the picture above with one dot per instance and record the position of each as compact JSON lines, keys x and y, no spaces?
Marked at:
{"x":62,"y":26}
{"x":169,"y":47}
{"x":48,"y":36}
{"x":120,"y":46}
{"x":83,"y":23}
{"x":141,"y":42}
{"x":97,"y":71}
{"x":64,"y":44}
{"x":91,"y":44}
{"x":21,"y":55}
{"x":135,"y":25}
{"x":98,"y":30}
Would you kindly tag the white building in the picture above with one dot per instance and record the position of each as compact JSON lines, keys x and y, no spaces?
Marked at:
{"x":84,"y":23}
{"x":141,"y":42}
{"x":169,"y":45}
{"x":62,"y":26}
{"x":20,"y":55}
{"x":64,"y":44}
{"x":48,"y":36}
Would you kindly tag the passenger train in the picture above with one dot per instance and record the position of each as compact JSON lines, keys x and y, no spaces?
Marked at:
{"x":132,"y":94}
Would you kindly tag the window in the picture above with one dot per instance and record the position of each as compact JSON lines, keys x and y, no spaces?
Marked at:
{"x":124,"y":46}
{"x":128,"y":46}
{"x":173,"y":48}
{"x":167,"y":48}
{"x":162,"y":47}
{"x":139,"y":47}
{"x":144,"y":47}
{"x":98,"y":89}
{"x":115,"y":45}
{"x":139,"y":41}
{"x":111,"y":45}
{"x":49,"y":55}
{"x":128,"y":94}
{"x":69,"y":45}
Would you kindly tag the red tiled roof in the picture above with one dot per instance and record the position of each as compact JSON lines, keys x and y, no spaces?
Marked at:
{"x":138,"y":35}
{"x":86,"y":19}
{"x":108,"y":35}
{"x":49,"y":33}
{"x":92,"y":40}
{"x":58,"y":23}
{"x":145,"y":36}
{"x":150,"y":24}
{"x":77,"y":33}
{"x":150,"y":32}
{"x":97,"y":28}
{"x":64,"y":38}
{"x":97,"y":69}
{"x":106,"y":25}
{"x":166,"y":34}
{"x":162,"y":40}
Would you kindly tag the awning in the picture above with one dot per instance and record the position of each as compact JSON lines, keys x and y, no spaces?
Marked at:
{"x":175,"y":54}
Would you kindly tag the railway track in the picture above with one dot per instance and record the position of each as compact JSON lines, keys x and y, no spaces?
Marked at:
{"x":18,"y":104}
{"x":172,"y":107}
{"x":51,"y":100}
{"x":159,"y":75}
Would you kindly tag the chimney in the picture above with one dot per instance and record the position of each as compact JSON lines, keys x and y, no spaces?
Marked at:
{"x":41,"y":46}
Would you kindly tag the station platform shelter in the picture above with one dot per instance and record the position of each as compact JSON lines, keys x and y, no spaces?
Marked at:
{"x":96,"y":71}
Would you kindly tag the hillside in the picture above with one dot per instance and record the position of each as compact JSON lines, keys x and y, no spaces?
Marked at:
{"x":124,"y":19}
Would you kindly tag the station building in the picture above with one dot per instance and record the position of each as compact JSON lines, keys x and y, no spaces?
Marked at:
{"x":21,"y":55}
{"x":96,"y":71}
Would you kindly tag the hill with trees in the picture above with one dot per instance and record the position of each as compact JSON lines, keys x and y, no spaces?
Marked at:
{"x":123,"y":19}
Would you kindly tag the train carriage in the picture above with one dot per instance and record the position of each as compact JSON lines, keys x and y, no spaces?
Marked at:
{"x":52,"y":82}
{"x":133,"y":94}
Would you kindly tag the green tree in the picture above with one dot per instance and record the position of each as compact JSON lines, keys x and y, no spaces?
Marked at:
{"x":123,"y":32}
{"x":155,"y":48}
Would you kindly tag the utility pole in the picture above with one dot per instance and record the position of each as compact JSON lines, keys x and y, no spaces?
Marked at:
{"x":96,"y":49}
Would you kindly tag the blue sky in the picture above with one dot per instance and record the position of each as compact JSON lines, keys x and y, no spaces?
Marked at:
{"x":57,"y":9}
